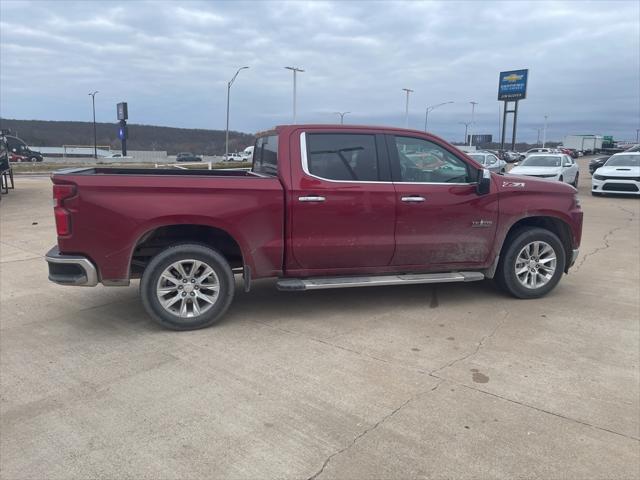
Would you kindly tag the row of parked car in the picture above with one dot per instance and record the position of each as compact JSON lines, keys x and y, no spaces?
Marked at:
{"x":616,"y":174}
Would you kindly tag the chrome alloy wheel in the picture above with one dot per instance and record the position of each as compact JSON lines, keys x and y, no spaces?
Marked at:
{"x":188,"y":288}
{"x":535,"y":264}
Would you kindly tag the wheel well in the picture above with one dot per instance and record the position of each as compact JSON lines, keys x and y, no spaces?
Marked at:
{"x":555,"y":225}
{"x":157,"y":240}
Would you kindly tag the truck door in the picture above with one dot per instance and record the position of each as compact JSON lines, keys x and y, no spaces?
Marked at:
{"x":342,"y":201}
{"x":441,"y":222}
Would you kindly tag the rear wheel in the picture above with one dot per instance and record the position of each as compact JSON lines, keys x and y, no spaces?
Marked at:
{"x":575,"y":181}
{"x":531,"y":264}
{"x":187,"y":287}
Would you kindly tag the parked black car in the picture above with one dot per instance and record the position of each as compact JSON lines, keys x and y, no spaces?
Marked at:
{"x":596,"y":163}
{"x":187,"y":157}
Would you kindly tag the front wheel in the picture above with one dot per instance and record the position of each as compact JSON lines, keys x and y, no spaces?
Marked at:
{"x":575,"y":181}
{"x":187,"y":286}
{"x":531,"y":263}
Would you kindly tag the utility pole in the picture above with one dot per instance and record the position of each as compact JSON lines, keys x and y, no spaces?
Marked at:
{"x":226,"y":141}
{"x":473,"y":113}
{"x":406,"y":109}
{"x":342,"y":114}
{"x":466,"y":128}
{"x":544,"y":132}
{"x":295,"y":70}
{"x":637,"y":134}
{"x":95,"y":135}
{"x":538,"y":140}
{"x":430,"y":108}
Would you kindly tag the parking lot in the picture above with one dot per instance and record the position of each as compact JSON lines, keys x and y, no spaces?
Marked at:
{"x":418,"y":381}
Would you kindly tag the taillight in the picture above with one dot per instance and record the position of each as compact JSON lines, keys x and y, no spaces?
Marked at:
{"x":63,"y":219}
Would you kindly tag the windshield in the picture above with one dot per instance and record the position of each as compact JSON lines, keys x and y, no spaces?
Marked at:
{"x":542,"y":161}
{"x":624,"y":161}
{"x":479,"y":158}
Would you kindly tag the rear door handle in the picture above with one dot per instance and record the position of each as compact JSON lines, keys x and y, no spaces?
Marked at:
{"x":413,"y":199}
{"x":311,"y":198}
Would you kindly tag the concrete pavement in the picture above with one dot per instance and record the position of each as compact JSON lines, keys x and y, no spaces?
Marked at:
{"x":446,"y":381}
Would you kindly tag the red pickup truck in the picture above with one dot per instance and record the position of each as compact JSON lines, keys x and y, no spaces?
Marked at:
{"x":323,"y":206}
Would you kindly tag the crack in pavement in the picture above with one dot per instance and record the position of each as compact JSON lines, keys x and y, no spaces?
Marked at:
{"x":606,"y":238}
{"x":538,"y":409}
{"x":370,"y":429}
{"x":477,"y":349}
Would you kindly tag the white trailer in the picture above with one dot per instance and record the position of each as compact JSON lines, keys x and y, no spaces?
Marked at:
{"x":583,"y":143}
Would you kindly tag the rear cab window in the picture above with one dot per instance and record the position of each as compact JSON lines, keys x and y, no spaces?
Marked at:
{"x":265,"y":155}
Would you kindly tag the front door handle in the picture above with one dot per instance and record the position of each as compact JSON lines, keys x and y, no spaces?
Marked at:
{"x":413,"y":199}
{"x":311,"y":198}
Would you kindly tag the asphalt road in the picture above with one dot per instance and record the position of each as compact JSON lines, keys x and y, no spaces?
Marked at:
{"x":391,"y":382}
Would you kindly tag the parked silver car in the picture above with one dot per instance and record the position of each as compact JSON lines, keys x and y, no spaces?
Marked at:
{"x":490,"y":161}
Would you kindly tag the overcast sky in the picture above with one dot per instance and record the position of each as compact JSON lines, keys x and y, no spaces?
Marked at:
{"x":171,"y":61}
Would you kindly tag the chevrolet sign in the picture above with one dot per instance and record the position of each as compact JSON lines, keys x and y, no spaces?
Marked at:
{"x":513,"y":85}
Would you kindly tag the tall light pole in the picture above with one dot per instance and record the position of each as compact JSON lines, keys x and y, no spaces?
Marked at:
{"x":473,"y":114}
{"x":406,"y":109}
{"x":466,"y":128}
{"x":637,"y":134}
{"x":295,"y":70}
{"x":429,"y":109}
{"x":226,"y":140}
{"x":342,"y":114}
{"x":544,"y":131}
{"x":95,"y":135}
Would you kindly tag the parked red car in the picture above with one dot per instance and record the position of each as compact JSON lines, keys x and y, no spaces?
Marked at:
{"x":322,"y":207}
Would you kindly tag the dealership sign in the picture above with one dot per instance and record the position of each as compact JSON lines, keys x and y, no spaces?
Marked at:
{"x":513,"y":85}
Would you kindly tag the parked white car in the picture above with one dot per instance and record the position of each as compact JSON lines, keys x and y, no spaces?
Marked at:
{"x":490,"y":161}
{"x":550,"y":166}
{"x":621,"y":174}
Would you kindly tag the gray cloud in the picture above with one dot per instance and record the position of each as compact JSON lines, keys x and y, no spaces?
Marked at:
{"x":171,"y":62}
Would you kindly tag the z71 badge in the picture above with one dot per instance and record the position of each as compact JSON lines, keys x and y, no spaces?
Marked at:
{"x":513,"y":184}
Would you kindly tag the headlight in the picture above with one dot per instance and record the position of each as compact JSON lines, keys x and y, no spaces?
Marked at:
{"x":599,"y":177}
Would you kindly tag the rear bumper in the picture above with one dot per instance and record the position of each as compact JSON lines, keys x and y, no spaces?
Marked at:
{"x":74,"y":270}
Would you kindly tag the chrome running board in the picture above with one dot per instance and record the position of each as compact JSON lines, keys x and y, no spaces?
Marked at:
{"x":319,"y":283}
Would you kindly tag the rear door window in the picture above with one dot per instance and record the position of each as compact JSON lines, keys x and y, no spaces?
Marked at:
{"x":342,"y":156}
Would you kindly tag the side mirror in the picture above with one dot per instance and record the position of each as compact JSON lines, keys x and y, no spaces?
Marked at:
{"x":484,"y":182}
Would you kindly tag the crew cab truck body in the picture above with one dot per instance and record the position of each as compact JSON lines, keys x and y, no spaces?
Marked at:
{"x":322,"y":207}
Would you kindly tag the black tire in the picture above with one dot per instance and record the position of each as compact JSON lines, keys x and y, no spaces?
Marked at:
{"x":575,"y":181}
{"x":505,"y":273}
{"x":176,"y":253}
{"x":561,"y":179}
{"x":33,"y":159}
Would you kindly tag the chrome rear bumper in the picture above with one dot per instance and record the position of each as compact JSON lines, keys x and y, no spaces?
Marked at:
{"x":74,"y":270}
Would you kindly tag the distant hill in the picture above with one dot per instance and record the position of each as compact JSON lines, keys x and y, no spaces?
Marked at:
{"x":141,"y":137}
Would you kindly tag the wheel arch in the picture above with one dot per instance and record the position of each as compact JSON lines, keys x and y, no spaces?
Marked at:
{"x":157,"y":237}
{"x":553,"y":224}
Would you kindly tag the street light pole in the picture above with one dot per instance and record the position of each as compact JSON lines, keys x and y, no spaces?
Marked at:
{"x":406,"y":110}
{"x":95,"y":135}
{"x":342,"y":114}
{"x":473,"y":112}
{"x":226,"y":140}
{"x":295,"y":70}
{"x":429,"y":109}
{"x":544,"y":132}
